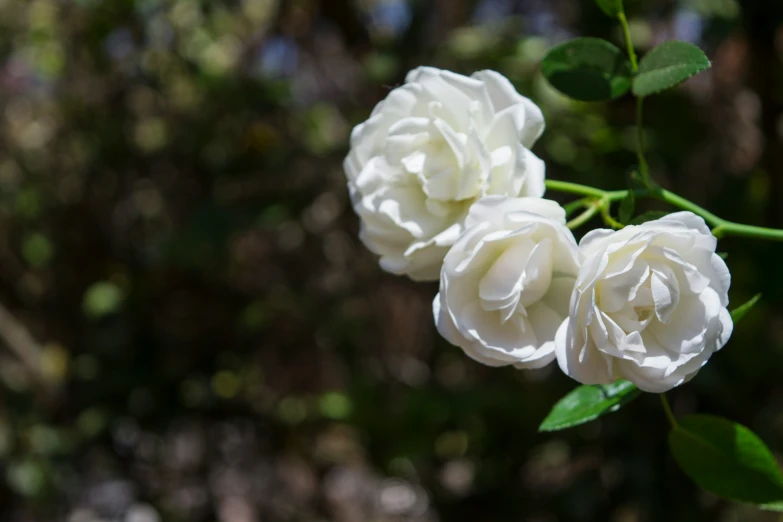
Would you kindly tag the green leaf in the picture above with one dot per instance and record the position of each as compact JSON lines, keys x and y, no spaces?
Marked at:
{"x":610,"y":7}
{"x":588,"y":402}
{"x":627,"y":206}
{"x":587,"y":69}
{"x":738,"y":313}
{"x":727,"y":459}
{"x":648,"y":216}
{"x":668,"y":65}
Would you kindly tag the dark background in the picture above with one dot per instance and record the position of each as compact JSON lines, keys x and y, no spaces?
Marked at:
{"x":191,"y":331}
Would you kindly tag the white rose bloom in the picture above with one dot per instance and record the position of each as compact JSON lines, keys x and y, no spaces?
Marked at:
{"x":429,"y":150}
{"x":507,"y":281}
{"x":649,"y":305}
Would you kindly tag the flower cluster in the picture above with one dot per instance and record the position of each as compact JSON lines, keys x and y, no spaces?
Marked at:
{"x":445,"y":184}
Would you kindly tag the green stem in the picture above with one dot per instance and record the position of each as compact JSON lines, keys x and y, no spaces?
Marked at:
{"x":729,"y":228}
{"x":587,"y":215}
{"x":722,"y":227}
{"x":582,"y":190}
{"x":601,"y":205}
{"x":576,"y":205}
{"x":628,"y":42}
{"x":667,"y":409}
{"x":643,"y":168}
{"x":608,"y":219}
{"x":681,"y":202}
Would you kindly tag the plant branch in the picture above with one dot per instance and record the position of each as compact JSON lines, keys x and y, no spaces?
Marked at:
{"x":643,"y":168}
{"x":587,"y":215}
{"x":584,"y":190}
{"x":598,"y":200}
{"x":594,"y":206}
{"x":628,"y":43}
{"x":721,"y":227}
{"x":573,"y":206}
{"x":608,"y":219}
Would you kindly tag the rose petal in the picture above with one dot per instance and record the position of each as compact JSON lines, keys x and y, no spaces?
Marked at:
{"x":429,"y":150}
{"x":593,"y":368}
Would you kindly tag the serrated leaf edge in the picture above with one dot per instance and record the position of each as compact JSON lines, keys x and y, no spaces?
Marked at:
{"x":668,"y":67}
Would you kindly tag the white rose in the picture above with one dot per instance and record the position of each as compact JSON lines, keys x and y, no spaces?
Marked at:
{"x":649,"y":305}
{"x":429,"y":150}
{"x":507,"y":281}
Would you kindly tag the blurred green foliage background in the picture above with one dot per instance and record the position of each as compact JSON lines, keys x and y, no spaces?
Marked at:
{"x":191,"y":331}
